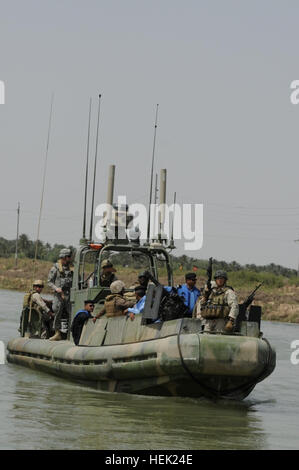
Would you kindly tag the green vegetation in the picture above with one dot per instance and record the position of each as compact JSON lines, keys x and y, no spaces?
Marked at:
{"x":20,"y":277}
{"x":26,"y":249}
{"x":190,"y":263}
{"x":279,"y":295}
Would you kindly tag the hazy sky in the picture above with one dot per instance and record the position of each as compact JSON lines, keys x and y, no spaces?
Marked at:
{"x":227,"y":131}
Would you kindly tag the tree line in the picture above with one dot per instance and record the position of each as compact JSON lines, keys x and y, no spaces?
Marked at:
{"x":27,"y":247}
{"x":192,"y":264}
{"x":47,"y":252}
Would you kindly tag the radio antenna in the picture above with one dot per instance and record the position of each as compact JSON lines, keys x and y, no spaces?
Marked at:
{"x":171,"y":244}
{"x":95,"y":170}
{"x":155,"y":204}
{"x":28,"y":328}
{"x":151,"y":184}
{"x":86,"y":173}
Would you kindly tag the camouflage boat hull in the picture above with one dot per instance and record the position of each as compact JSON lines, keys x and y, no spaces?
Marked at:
{"x":173,"y":358}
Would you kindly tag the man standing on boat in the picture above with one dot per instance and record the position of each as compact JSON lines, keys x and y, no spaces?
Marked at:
{"x":143,"y":280}
{"x":189,"y":292}
{"x":107,"y":275}
{"x":218,"y":308}
{"x":60,"y":281}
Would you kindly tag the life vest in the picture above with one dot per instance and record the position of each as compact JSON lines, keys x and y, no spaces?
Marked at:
{"x":34,"y":305}
{"x":216,"y":307}
{"x":78,"y":323}
{"x":107,"y":279}
{"x":27,"y":299}
{"x":111,"y":307}
{"x":66,"y":275}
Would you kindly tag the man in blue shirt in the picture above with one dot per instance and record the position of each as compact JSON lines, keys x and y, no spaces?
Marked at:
{"x":189,"y":292}
{"x":80,"y":318}
{"x":139,"y":306}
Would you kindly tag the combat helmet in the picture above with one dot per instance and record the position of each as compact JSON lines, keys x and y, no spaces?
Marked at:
{"x":220,"y":273}
{"x":38,"y":282}
{"x":65,"y":252}
{"x":116,"y":287}
{"x":106,"y":264}
{"x":144,"y":274}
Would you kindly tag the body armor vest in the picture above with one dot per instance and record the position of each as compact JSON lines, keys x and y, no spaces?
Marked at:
{"x":216,"y":307}
{"x":107,"y":279}
{"x":65,"y":276}
{"x":27,"y":299}
{"x":111,"y":307}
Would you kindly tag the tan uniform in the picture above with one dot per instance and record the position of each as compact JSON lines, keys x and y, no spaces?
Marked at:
{"x":222,"y":303}
{"x":38,"y":300}
{"x":39,"y":318}
{"x":115,"y":304}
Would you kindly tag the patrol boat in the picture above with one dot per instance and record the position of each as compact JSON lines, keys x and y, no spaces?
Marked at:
{"x":161,"y":352}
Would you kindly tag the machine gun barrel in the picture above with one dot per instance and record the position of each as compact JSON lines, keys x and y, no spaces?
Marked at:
{"x":152,"y":278}
{"x":209,"y":284}
{"x":250,"y":298}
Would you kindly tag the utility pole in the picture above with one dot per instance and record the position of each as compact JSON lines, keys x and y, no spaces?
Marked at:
{"x":296,"y":241}
{"x":17,"y":239}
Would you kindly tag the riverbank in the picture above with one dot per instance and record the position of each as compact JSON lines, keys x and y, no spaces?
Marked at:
{"x":279,"y":303}
{"x":20,"y":277}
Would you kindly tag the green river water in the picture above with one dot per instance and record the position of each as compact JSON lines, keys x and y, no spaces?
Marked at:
{"x":40,"y":411}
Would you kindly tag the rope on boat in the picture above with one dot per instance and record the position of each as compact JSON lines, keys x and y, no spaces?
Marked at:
{"x":212,"y":391}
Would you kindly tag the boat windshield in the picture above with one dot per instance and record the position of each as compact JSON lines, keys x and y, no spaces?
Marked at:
{"x":128,"y":264}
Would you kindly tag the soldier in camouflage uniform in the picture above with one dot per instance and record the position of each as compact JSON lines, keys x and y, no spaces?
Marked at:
{"x":107,"y":275}
{"x":60,"y":281}
{"x":220,"y":311}
{"x":41,"y":321}
{"x":143,"y":280}
{"x":115,"y":303}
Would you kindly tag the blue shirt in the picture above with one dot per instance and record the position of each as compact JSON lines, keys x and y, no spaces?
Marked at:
{"x":88,"y":314}
{"x":190,"y":296}
{"x":138,"y":307}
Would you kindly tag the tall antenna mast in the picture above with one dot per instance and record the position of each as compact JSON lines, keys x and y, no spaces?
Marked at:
{"x":110,"y":191}
{"x":27,"y":333}
{"x":86,"y":173}
{"x":155,"y":203}
{"x":151,"y":185}
{"x":44,"y":176}
{"x":94,"y":170}
{"x":162,"y":203}
{"x":17,"y":239}
{"x":171,"y":244}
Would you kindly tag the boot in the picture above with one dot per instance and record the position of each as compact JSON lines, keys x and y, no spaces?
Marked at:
{"x":56,"y":337}
{"x":229,"y":326}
